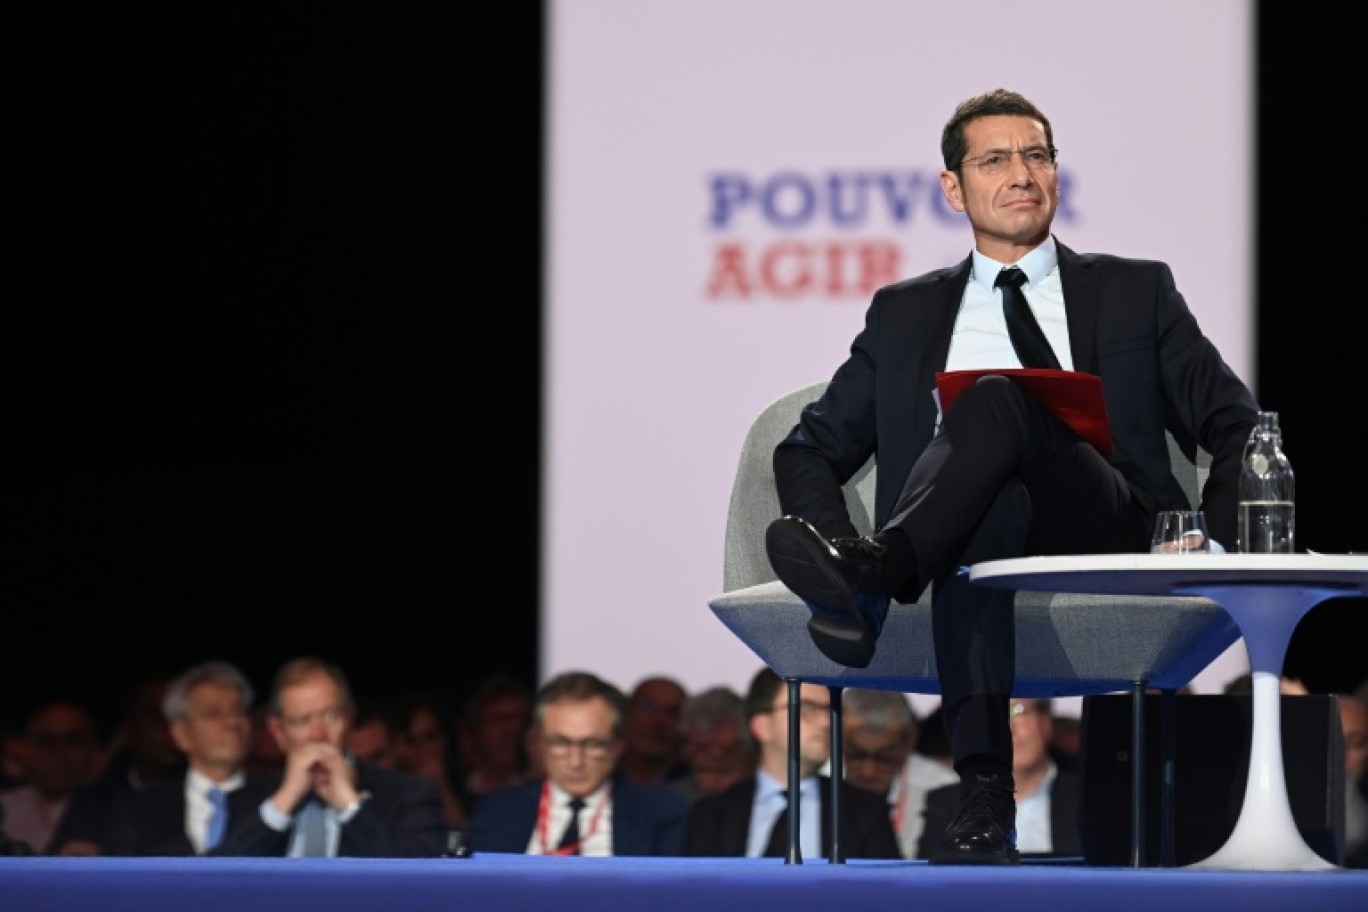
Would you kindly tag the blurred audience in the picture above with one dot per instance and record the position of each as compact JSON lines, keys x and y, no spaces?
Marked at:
{"x":372,"y":737}
{"x":719,"y":750}
{"x":1066,"y":743}
{"x":652,"y":751}
{"x":12,"y":770}
{"x":424,"y":745}
{"x":880,"y":735}
{"x":1354,"y":722}
{"x":206,"y":708}
{"x":141,"y":755}
{"x":495,"y":727}
{"x":579,"y":808}
{"x":264,"y":756}
{"x":62,"y":753}
{"x":327,"y":804}
{"x":749,"y":819}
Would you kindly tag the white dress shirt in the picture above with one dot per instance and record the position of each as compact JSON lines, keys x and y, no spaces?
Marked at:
{"x":771,"y":797}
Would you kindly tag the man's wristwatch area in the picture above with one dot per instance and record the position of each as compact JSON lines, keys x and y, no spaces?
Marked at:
{"x":351,"y":810}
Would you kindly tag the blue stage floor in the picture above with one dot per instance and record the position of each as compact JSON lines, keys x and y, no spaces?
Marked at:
{"x":530,"y":883}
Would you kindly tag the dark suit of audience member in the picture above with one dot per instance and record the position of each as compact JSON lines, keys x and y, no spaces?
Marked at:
{"x":142,"y":756}
{"x":401,"y":817}
{"x":579,"y":719}
{"x":646,"y":819}
{"x":205,"y":709}
{"x":151,"y":822}
{"x":720,"y":825}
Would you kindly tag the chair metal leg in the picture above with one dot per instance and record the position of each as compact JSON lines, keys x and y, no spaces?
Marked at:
{"x":795,"y":716}
{"x":837,"y":778}
{"x":1137,"y":774}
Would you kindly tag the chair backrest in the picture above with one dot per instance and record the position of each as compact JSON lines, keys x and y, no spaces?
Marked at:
{"x":755,"y":503}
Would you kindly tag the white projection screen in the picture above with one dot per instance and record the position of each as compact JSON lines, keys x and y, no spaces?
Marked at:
{"x":727,"y":183}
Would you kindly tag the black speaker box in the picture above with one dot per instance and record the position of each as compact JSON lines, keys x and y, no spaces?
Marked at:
{"x":1210,"y":748}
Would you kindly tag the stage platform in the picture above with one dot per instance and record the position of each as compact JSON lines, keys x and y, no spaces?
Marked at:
{"x":532,"y":883}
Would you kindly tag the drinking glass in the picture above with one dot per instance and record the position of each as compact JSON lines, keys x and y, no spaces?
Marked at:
{"x":1180,"y":532}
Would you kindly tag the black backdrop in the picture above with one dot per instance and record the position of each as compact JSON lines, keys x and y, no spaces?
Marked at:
{"x":275,"y":346}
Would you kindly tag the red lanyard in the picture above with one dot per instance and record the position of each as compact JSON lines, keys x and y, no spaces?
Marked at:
{"x":544,"y":814}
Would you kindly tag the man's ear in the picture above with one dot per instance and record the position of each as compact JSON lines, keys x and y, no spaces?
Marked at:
{"x":950,"y":186}
{"x":760,"y":727}
{"x":178,"y":735}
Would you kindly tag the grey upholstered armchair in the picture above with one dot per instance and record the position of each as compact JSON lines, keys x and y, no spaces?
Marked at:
{"x":1067,"y":645}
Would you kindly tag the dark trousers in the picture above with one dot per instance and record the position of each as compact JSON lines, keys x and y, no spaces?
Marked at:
{"x":1003,"y":478}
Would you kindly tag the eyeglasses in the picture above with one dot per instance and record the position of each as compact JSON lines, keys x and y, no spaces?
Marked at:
{"x":807,"y":709}
{"x":594,"y":748}
{"x":995,"y":162}
{"x":331,"y":716}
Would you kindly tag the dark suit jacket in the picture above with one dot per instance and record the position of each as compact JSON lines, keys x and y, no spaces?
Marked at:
{"x":1127,"y":323}
{"x":148,"y":822}
{"x":401,"y":819}
{"x":719,"y":824}
{"x":1065,"y":816}
{"x":647,"y":819}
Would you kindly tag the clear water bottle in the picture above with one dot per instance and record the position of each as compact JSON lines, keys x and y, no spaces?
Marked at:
{"x":1267,"y":519}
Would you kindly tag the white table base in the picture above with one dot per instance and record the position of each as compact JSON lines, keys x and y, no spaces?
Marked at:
{"x":1265,"y":835}
{"x":1267,"y":595}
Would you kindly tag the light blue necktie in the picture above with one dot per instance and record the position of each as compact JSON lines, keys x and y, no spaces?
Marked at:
{"x":312,"y":823}
{"x":218,"y":818}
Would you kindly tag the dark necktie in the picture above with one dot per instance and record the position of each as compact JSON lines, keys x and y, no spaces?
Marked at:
{"x":778,"y":841}
{"x":218,"y":817}
{"x":1027,"y":338}
{"x":570,"y":838}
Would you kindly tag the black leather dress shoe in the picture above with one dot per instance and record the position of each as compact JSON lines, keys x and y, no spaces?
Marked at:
{"x":984,"y":829}
{"x":841,"y":581}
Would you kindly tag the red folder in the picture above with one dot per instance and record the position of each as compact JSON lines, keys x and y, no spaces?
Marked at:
{"x":1074,"y":396}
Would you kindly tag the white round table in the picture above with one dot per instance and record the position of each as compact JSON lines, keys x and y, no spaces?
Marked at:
{"x":1266,"y":595}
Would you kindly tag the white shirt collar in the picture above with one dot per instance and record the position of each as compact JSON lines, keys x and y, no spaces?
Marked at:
{"x":199,"y":784}
{"x":1037,"y":265}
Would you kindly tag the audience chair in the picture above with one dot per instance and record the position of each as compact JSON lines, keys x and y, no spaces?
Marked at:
{"x":1066,"y":644}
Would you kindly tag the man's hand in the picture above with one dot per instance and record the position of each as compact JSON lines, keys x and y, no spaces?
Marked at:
{"x":315,"y":767}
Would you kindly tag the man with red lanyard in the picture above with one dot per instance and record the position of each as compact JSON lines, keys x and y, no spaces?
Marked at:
{"x":579,"y":807}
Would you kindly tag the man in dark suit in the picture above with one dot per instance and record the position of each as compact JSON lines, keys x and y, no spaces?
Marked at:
{"x":580,"y":807}
{"x":206,"y":710}
{"x":1047,"y":796}
{"x":326,"y":804}
{"x":996,"y":474}
{"x":749,"y":819}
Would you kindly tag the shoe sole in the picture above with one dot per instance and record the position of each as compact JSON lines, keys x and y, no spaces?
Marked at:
{"x":805,"y":564}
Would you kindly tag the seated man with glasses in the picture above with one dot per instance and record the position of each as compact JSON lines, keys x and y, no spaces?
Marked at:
{"x":880,"y":736}
{"x":327,"y":804}
{"x":750,"y":818}
{"x":579,"y":807}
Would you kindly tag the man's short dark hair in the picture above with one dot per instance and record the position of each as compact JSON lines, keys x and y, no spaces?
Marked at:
{"x":997,"y":103}
{"x":579,"y":686}
{"x":764,"y":687}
